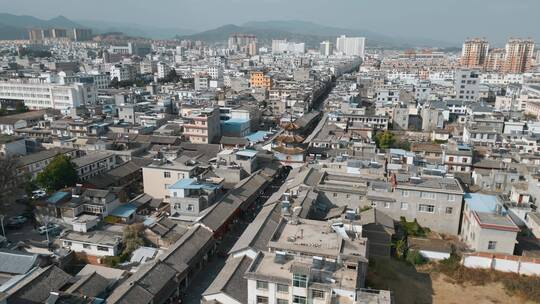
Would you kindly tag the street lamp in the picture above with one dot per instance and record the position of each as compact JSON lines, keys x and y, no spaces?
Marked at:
{"x":2,"y":224}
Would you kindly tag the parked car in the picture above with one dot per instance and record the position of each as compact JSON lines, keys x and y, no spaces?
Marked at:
{"x":49,"y":228}
{"x":17,"y":219}
{"x":38,"y":194}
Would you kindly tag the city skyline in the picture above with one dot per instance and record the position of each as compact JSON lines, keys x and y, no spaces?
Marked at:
{"x":506,"y":18}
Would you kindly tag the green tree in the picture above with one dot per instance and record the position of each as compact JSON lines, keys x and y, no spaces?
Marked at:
{"x":59,"y":173}
{"x":133,"y":238}
{"x":114,"y":83}
{"x":21,"y":108}
{"x":385,"y":140}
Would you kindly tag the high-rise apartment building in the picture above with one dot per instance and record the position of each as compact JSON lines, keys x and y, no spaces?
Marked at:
{"x":81,"y":34}
{"x":495,"y":60}
{"x":474,"y":53}
{"x":284,"y":46}
{"x":244,"y":43}
{"x":326,"y":48}
{"x":519,"y":56}
{"x":351,"y":46}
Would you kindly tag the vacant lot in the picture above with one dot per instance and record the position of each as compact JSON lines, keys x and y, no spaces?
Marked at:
{"x":412,"y":286}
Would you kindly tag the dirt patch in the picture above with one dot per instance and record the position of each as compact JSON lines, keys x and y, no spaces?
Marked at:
{"x":410,"y":285}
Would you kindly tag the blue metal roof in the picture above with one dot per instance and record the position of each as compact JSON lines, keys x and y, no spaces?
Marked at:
{"x":235,"y":121}
{"x":247,"y":153}
{"x":481,"y":202}
{"x":124,"y":210}
{"x":191,"y":184}
{"x":56,"y":197}
{"x":257,"y":136}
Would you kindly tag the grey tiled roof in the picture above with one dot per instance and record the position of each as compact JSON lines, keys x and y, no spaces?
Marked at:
{"x":91,"y":285}
{"x":36,"y":287}
{"x":14,"y":262}
{"x":230,"y":279}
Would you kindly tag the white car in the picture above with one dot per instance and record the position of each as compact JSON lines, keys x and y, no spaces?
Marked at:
{"x":49,"y":228}
{"x":38,"y":194}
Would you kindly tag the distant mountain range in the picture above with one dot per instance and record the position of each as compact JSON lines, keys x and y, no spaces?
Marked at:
{"x":135,"y":30}
{"x":15,"y":27}
{"x":310,"y":33}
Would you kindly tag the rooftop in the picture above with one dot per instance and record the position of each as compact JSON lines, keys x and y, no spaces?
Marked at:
{"x":192,"y":184}
{"x":94,"y":237}
{"x":124,"y":210}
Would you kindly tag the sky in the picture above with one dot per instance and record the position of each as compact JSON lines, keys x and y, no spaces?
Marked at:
{"x":445,"y":20}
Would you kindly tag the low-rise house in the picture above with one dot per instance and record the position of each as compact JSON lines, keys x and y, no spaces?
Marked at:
{"x":32,"y":164}
{"x":92,"y":245}
{"x":94,"y":164}
{"x":88,"y":201}
{"x":157,"y":177}
{"x":11,"y":146}
{"x":532,"y":220}
{"x":434,"y":202}
{"x":458,"y":158}
{"x":10,"y":123}
{"x":189,"y":198}
{"x":486,"y":226}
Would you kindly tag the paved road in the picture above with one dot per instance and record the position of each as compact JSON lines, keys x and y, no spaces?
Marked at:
{"x":203,"y":279}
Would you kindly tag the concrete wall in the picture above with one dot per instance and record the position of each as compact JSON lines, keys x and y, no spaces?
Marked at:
{"x":506,"y":263}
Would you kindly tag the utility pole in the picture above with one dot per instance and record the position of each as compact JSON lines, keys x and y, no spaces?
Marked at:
{"x":2,"y":224}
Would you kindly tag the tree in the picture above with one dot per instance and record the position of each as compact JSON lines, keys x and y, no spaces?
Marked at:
{"x":8,"y":181}
{"x":132,"y":238}
{"x":59,"y":173}
{"x":21,"y":108}
{"x":114,"y":83}
{"x":384,"y":140}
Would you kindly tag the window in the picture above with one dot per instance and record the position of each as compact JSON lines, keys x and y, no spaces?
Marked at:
{"x":299,"y":300}
{"x":387,"y":205}
{"x":262,"y":285}
{"x":451,"y":198}
{"x":190,"y":207}
{"x":492,"y":245}
{"x":282,"y":288}
{"x":427,"y":195}
{"x":103,"y":248}
{"x":166,"y":186}
{"x":299,"y":280}
{"x":426,"y":208}
{"x":319,"y":294}
{"x":404,"y":206}
{"x":405,"y":193}
{"x":67,"y":243}
{"x":449,"y":210}
{"x":282,"y":301}
{"x":86,"y":246}
{"x":166,"y":174}
{"x":262,"y":300}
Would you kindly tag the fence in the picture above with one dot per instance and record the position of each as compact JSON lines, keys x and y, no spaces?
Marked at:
{"x":501,"y":262}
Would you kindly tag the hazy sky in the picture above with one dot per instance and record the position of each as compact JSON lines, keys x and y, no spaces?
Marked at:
{"x":450,"y":20}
